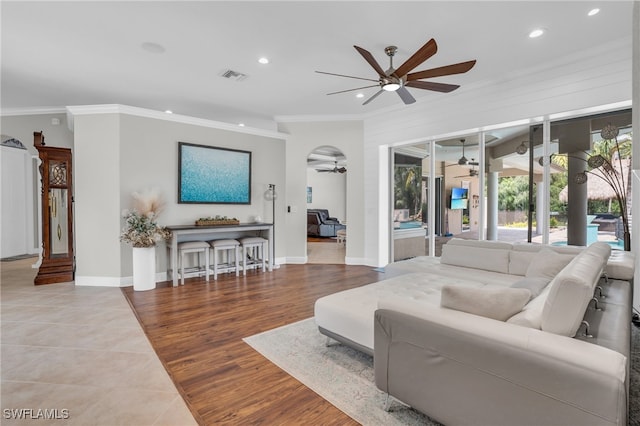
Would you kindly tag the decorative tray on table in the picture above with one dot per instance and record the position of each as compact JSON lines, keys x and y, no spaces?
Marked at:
{"x":218,"y":220}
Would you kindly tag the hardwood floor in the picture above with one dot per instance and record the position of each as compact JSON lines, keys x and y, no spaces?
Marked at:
{"x":197,"y":332}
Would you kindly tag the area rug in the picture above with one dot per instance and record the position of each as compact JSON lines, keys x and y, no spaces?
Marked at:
{"x":345,"y":377}
{"x":339,"y":374}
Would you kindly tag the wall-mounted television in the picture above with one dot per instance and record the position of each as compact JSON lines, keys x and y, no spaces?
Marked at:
{"x":212,"y":175}
{"x":459,"y":198}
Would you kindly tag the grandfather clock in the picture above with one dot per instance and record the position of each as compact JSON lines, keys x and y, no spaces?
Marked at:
{"x":57,"y":213}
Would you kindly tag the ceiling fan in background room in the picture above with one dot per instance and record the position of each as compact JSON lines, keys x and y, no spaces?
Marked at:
{"x":335,"y":169}
{"x":463,"y":161}
{"x":398,"y":79}
{"x":472,"y":171}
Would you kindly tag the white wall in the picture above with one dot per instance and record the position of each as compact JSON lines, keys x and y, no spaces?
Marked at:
{"x":119,"y":153}
{"x":329,"y":192}
{"x":16,"y":202}
{"x":303,"y":138}
{"x":587,"y":79}
{"x":96,"y":168}
{"x":635,"y":236}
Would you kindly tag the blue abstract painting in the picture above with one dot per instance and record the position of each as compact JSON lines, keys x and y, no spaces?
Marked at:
{"x":213,"y":175}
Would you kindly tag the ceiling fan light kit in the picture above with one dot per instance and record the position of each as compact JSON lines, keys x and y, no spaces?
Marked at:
{"x":397,"y":80}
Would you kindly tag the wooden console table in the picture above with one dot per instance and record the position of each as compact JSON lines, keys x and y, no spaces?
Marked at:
{"x":182,"y":233}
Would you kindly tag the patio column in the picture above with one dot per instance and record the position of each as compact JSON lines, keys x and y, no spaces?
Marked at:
{"x":492,"y":205}
{"x":576,"y":201}
{"x":541,"y":220}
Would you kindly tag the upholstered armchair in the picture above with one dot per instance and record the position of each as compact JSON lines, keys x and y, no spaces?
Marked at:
{"x":320,"y":224}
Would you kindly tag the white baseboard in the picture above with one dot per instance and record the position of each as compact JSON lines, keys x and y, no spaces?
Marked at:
{"x":297,"y":260}
{"x":112,"y":281}
{"x":359,"y":261}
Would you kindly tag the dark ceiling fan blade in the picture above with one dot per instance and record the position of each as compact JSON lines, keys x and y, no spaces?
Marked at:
{"x":428,"y":85}
{"x":405,"y":96}
{"x":348,"y":76}
{"x":425,"y":52}
{"x":373,"y":97}
{"x":458,"y":68}
{"x":351,"y":90}
{"x":371,"y":60}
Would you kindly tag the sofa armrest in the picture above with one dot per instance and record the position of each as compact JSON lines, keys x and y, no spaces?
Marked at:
{"x":464,"y":369}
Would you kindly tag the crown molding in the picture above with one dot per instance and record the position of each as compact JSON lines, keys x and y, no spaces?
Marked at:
{"x":76,"y":110}
{"x":318,"y":118}
{"x":8,"y":112}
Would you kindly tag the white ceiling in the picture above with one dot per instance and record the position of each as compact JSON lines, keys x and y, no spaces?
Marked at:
{"x":56,"y":54}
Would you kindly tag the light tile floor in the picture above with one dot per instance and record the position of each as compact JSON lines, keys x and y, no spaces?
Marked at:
{"x":80,"y":353}
{"x":328,"y":253}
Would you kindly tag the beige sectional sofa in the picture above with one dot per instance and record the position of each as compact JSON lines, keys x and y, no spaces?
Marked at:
{"x":497,"y":333}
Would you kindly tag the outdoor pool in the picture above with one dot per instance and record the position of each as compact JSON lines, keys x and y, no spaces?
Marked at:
{"x":615,"y":245}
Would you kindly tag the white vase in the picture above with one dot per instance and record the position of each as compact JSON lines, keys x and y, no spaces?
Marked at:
{"x":144,"y":268}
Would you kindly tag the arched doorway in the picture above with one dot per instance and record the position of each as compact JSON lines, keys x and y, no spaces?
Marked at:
{"x":326,"y":205}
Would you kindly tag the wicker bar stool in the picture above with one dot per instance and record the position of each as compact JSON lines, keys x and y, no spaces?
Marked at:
{"x":228,"y":247}
{"x":253,"y":248}
{"x":190,"y":247}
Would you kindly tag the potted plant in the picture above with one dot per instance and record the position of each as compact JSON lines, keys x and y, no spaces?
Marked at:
{"x":143,"y":233}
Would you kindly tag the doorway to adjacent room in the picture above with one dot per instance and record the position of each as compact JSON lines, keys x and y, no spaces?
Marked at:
{"x":326,"y":205}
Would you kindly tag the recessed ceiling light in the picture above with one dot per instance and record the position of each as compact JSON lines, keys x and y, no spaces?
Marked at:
{"x":263,"y":61}
{"x":593,"y":12}
{"x":153,"y":47}
{"x":360,"y":95}
{"x":168,"y":111}
{"x":536,"y":33}
{"x":241,"y":124}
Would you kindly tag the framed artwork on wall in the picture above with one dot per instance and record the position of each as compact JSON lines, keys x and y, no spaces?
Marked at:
{"x":213,"y":175}
{"x":309,"y":195}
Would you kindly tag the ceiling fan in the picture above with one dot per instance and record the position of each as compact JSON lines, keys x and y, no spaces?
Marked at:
{"x":398,"y":79}
{"x":472,"y":172}
{"x":335,"y":169}
{"x":463,"y":161}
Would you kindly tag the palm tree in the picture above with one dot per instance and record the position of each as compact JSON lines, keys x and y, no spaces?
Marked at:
{"x":407,"y":185}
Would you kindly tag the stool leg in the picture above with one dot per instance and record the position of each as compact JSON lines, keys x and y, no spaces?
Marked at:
{"x":206,"y":264}
{"x":264,"y":263}
{"x":235,"y":258}
{"x":244,"y":260}
{"x":181,"y":268}
{"x":215,"y":264}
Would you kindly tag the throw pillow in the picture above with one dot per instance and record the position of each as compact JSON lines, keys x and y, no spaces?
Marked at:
{"x":496,"y":303}
{"x":547,"y":263}
{"x":534,"y":285}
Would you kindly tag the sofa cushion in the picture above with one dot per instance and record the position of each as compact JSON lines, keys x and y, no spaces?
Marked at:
{"x":495,"y":303}
{"x":519,"y":261}
{"x":534,"y":284}
{"x":534,"y":248}
{"x":547,"y":264}
{"x":620,"y":265}
{"x":490,"y":244}
{"x":531,"y":314}
{"x":496,"y":260}
{"x":571,"y":290}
